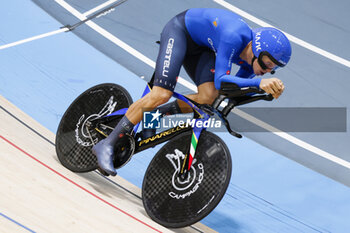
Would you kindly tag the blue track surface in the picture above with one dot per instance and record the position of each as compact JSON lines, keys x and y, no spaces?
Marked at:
{"x":268,"y":192}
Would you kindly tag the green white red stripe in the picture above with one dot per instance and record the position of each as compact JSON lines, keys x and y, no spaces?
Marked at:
{"x":194,"y":142}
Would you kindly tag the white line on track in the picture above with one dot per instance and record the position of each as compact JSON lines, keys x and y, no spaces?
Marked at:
{"x":56,"y":31}
{"x":34,"y":38}
{"x":99,"y":7}
{"x":290,"y":37}
{"x":189,"y":85}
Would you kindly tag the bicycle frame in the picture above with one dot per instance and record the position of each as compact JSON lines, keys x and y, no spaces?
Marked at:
{"x":236,"y":96}
{"x":168,"y":134}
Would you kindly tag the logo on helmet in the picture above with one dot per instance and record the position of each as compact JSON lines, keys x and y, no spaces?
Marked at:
{"x":257,"y":42}
{"x":282,"y":62}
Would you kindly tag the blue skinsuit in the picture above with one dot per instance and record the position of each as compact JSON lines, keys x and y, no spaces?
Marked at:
{"x":201,"y":39}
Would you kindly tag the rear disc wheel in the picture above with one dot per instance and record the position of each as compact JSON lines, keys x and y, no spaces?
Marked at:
{"x":75,"y":136}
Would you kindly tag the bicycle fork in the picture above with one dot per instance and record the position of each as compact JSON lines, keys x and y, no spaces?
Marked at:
{"x":187,"y":163}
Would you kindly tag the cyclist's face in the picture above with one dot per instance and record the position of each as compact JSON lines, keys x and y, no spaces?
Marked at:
{"x":270,"y":66}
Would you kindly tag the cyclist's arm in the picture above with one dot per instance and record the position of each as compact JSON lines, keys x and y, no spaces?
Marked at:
{"x":241,"y":82}
{"x":245,"y":72}
{"x":223,"y":65}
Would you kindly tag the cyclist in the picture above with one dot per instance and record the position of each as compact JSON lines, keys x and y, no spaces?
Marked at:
{"x":206,"y":42}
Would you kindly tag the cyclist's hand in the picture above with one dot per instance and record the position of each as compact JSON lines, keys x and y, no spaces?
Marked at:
{"x":272,"y":86}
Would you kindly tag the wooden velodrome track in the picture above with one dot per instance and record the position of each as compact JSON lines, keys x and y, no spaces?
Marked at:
{"x":39,"y":195}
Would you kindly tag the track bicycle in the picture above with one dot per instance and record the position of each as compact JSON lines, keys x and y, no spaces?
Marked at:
{"x":187,"y":177}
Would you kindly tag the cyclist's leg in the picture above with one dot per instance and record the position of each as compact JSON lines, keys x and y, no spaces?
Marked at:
{"x":201,"y":68}
{"x":166,"y":109}
{"x":206,"y":95}
{"x":156,"y":97}
{"x":171,"y":54}
{"x":173,"y":46}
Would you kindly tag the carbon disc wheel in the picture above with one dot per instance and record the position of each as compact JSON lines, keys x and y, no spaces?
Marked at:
{"x":174,"y":202}
{"x":74,"y":138}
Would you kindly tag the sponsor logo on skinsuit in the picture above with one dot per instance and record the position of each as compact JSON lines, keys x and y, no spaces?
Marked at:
{"x":167,"y":57}
{"x":210,"y":41}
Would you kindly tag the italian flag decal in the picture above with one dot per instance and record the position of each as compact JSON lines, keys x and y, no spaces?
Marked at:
{"x":194,"y":142}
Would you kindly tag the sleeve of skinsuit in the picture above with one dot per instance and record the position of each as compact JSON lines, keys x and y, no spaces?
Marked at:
{"x":229,"y":44}
{"x":245,"y":72}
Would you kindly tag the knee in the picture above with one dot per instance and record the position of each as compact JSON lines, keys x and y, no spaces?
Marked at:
{"x":160,"y":96}
{"x":208,"y":97}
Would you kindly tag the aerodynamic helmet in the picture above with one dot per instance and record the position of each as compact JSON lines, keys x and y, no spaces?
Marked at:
{"x":272,"y":43}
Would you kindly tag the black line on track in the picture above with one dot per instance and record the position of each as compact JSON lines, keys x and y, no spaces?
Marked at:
{"x":22,"y":122}
{"x":53,"y":144}
{"x":115,"y":183}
